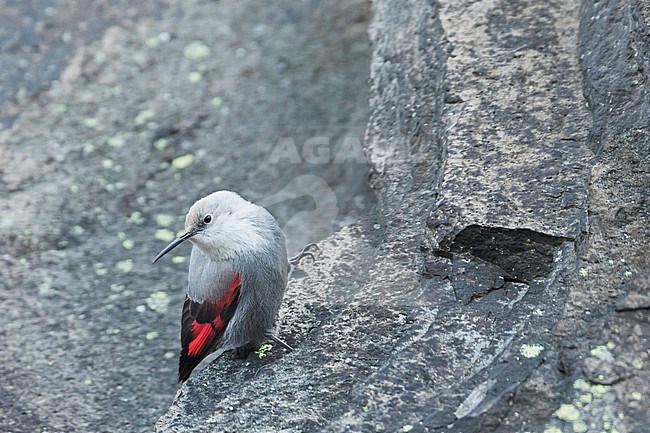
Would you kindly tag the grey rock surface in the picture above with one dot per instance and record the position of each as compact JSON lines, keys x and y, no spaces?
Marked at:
{"x":469,"y":303}
{"x":99,"y":167}
{"x":481,"y":300}
{"x":492,"y":276}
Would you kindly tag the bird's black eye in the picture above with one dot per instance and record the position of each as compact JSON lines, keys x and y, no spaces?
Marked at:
{"x":207,"y":219}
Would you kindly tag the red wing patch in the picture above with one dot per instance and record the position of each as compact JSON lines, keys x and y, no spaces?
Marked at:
{"x":203,"y":325}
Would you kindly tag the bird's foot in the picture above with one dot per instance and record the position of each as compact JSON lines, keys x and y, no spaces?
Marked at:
{"x":242,"y":352}
{"x":295,"y":260}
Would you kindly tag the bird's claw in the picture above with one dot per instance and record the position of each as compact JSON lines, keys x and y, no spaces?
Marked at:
{"x":281,"y":343}
{"x":295,"y":260}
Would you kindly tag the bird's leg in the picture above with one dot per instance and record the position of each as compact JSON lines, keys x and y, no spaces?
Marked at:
{"x":295,"y":260}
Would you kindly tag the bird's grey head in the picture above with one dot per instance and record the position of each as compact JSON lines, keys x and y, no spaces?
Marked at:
{"x":223,"y":225}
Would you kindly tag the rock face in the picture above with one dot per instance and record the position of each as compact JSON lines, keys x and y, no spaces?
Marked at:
{"x":99,"y":168}
{"x":484,"y":298}
{"x":499,"y":284}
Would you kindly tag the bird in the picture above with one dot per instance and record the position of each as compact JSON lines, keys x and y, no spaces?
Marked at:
{"x":237,"y":278}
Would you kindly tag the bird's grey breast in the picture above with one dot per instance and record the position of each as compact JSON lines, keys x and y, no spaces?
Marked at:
{"x":208,"y":279}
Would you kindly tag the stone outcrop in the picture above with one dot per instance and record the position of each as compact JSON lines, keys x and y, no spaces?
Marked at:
{"x":497,"y":249}
{"x":491,"y":275}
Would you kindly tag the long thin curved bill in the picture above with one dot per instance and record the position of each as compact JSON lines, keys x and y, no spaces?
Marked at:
{"x":176,"y":242}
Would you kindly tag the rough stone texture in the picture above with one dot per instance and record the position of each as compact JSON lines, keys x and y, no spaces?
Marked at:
{"x":91,"y":185}
{"x":39,"y":37}
{"x":467,"y":307}
{"x":500,"y":284}
{"x":614,"y":43}
{"x":516,"y":153}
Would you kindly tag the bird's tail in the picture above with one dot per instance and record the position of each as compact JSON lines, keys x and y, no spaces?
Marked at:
{"x":184,"y":370}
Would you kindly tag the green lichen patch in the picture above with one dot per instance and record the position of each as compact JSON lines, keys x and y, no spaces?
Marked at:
{"x":161,"y":144}
{"x":152,"y":42}
{"x":196,"y":50}
{"x":580,"y":426}
{"x":164,"y":235}
{"x":136,"y":217}
{"x":144,"y":116}
{"x":78,"y":230}
{"x":117,"y":288}
{"x":601,"y":352}
{"x":182,"y":162}
{"x":586,"y":398}
{"x":158,"y":302}
{"x":125,"y":266}
{"x":164,"y":220}
{"x":596,"y":390}
{"x":194,"y":77}
{"x":262,"y":351}
{"x":567,"y":412}
{"x":91,"y":122}
{"x":117,"y":141}
{"x":531,"y":350}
